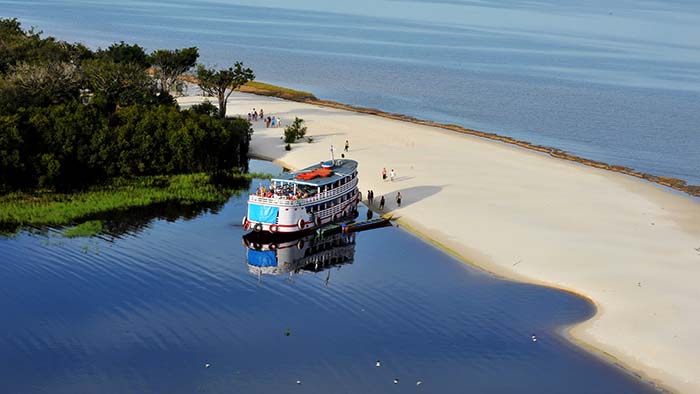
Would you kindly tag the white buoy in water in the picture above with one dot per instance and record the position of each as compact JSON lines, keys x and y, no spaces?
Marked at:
{"x":298,"y":381}
{"x":396,"y":381}
{"x":534,"y":338}
{"x":418,"y":383}
{"x":207,"y":365}
{"x":378,"y":364}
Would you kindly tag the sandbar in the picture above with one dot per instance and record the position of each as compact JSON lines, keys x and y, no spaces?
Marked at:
{"x":630,"y":246}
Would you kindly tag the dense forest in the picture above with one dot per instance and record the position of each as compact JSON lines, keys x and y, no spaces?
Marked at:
{"x":71,"y":116}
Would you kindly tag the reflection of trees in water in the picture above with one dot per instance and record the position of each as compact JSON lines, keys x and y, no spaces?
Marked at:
{"x":128,"y":221}
{"x":135,"y":220}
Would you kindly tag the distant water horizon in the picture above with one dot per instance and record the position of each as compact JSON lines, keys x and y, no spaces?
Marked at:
{"x":615,"y":83}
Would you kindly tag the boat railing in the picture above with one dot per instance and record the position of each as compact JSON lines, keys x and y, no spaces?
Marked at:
{"x":287,"y":202}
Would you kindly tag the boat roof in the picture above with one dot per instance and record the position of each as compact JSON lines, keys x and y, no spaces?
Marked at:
{"x":341,"y":168}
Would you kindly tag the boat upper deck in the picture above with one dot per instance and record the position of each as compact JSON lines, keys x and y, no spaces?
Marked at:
{"x":341,"y":169}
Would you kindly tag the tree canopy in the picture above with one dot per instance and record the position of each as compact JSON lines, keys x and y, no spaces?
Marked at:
{"x":170,"y":64}
{"x":70,"y":117}
{"x":222,"y":83}
{"x":123,"y":53}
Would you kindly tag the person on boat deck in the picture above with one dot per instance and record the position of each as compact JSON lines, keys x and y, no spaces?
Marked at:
{"x":381,"y":203}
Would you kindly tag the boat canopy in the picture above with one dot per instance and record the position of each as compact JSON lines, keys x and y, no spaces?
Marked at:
{"x":322,"y":173}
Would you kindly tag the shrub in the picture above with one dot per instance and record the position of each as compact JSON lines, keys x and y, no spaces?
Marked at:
{"x":294,"y":131}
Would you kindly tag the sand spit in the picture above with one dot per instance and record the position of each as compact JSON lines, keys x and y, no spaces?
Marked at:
{"x":632,"y":247}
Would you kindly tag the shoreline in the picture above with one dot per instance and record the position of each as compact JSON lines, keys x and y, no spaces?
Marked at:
{"x":568,"y":332}
{"x":597,"y":234}
{"x":308,"y":98}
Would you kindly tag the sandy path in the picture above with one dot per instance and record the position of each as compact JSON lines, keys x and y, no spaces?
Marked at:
{"x":628,"y":245}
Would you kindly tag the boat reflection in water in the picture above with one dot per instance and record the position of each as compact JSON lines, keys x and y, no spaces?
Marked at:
{"x":293,"y":255}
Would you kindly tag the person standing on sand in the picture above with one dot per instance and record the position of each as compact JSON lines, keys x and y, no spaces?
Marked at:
{"x":261,"y":114}
{"x":384,"y":174}
{"x":381,"y":203}
{"x":398,"y":199}
{"x":347,"y":145}
{"x":370,"y":197}
{"x":392,"y":174}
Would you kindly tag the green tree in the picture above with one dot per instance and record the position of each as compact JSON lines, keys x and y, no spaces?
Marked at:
{"x":295,"y":131}
{"x":124,"y":53}
{"x":19,"y":46}
{"x":222,"y":83}
{"x":43,"y":83}
{"x":168,"y":65}
{"x":118,"y":84}
{"x":205,"y":108}
{"x":11,"y":166}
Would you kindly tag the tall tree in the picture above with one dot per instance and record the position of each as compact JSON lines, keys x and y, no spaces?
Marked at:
{"x":170,"y":64}
{"x":125,"y":53}
{"x":44,"y":83}
{"x":222,"y":83}
{"x":119,"y":84}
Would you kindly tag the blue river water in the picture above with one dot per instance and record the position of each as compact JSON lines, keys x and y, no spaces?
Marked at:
{"x":612,"y":81}
{"x":180,"y":304}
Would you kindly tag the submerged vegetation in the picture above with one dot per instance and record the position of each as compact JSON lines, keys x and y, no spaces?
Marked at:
{"x":84,"y":132}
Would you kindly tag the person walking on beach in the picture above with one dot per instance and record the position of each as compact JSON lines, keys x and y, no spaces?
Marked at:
{"x":347,"y":145}
{"x":370,"y":197}
{"x":384,"y":174}
{"x":381,"y":203}
{"x":398,"y":199}
{"x":261,"y":114}
{"x":255,"y":114}
{"x":392,"y":174}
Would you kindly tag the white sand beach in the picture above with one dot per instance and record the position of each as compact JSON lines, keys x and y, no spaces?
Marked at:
{"x":630,"y":246}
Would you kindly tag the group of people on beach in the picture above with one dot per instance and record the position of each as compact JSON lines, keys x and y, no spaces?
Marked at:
{"x":270,"y":121}
{"x":382,"y":200}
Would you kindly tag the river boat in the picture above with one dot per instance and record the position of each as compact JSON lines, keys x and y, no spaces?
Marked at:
{"x":305,"y":200}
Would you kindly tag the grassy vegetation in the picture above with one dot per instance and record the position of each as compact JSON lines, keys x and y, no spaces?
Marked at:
{"x":87,"y":229}
{"x":48,"y":208}
{"x":266,"y":89}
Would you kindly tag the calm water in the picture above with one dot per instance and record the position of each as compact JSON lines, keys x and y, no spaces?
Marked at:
{"x":143,"y":311}
{"x":613,"y":81}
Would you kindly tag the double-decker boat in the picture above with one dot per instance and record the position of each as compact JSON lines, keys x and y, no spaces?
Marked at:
{"x":306,"y":199}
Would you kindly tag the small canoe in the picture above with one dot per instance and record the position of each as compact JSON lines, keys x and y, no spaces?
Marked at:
{"x":367,"y":224}
{"x":329,"y":230}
